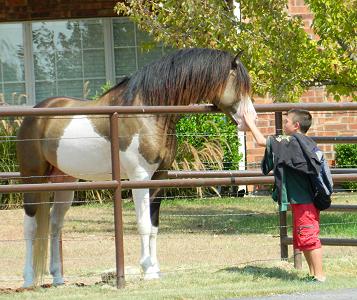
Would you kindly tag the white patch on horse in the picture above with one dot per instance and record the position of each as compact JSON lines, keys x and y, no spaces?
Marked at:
{"x":133,"y":163}
{"x":82,"y":152}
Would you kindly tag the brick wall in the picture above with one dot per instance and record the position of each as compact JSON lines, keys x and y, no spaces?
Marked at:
{"x":24,"y":10}
{"x":340,"y":123}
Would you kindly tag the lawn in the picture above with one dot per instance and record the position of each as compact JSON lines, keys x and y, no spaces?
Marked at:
{"x":208,"y":249}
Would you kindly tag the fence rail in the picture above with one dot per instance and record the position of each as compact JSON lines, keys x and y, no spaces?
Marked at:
{"x":139,"y":184}
{"x":202,"y":174}
{"x":12,"y":111}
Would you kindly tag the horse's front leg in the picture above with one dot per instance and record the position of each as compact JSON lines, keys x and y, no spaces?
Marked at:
{"x":142,"y":209}
{"x":153,"y":251}
{"x":30,"y":226}
{"x":154,"y":214}
{"x":62,"y":202}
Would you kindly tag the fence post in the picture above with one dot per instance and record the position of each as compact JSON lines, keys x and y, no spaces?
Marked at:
{"x":284,"y":254}
{"x":297,"y":259}
{"x":118,"y":216}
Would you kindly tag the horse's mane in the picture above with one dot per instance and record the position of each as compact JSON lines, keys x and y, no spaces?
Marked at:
{"x":123,"y":81}
{"x":184,"y":77}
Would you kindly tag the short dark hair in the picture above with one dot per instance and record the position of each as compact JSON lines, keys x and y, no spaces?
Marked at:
{"x":303,"y":117}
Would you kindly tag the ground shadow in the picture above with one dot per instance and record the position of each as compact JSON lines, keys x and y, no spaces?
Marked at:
{"x":256,"y":271}
{"x":220,"y":220}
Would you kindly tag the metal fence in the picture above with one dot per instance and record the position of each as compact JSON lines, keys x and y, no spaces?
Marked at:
{"x":201,"y":180}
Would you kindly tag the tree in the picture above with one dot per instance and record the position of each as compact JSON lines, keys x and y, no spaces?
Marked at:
{"x":282,"y":59}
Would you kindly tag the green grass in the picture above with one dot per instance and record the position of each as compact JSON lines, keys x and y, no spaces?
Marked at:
{"x":249,"y":215}
{"x":188,"y":225}
{"x":201,"y":284}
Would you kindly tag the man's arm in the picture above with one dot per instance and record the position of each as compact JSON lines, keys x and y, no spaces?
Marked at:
{"x":258,"y":136}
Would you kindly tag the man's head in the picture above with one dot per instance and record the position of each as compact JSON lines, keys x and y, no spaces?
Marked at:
{"x":297,"y":120}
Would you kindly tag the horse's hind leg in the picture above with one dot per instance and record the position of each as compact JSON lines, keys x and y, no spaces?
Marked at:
{"x":62,"y":202}
{"x":33,"y":169}
{"x":30,"y":227}
{"x":36,"y":236}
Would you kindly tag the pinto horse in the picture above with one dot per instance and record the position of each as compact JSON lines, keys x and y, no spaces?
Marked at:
{"x":78,"y":147}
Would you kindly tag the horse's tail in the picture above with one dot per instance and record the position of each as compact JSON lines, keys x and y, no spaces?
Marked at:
{"x":34,"y":169}
{"x":40,"y":247}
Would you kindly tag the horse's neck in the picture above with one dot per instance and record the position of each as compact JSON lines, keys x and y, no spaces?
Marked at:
{"x":167,"y":122}
{"x":109,"y":99}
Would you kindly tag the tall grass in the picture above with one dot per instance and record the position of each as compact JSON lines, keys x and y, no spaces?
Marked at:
{"x":196,"y":159}
{"x":8,"y":129}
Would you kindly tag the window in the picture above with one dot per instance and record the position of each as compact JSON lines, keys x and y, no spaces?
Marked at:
{"x":66,"y":55}
{"x":69,"y":57}
{"x":12,"y":73}
{"x":130,"y":46}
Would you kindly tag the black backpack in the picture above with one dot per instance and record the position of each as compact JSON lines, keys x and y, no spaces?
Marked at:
{"x":322,"y":183}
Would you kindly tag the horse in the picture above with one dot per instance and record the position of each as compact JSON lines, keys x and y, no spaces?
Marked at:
{"x":78,"y":147}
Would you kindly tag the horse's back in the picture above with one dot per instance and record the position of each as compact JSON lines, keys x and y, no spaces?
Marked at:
{"x":62,"y":101}
{"x":32,"y":127}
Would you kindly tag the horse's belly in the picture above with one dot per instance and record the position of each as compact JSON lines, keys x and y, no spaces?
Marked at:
{"x":82,"y":152}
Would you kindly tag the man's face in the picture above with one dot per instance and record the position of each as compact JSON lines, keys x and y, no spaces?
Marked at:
{"x":289,"y":126}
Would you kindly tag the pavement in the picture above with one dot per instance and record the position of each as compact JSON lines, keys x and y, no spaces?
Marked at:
{"x":343,"y":294}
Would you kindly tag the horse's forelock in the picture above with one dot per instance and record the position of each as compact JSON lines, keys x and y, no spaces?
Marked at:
{"x":242,"y":79}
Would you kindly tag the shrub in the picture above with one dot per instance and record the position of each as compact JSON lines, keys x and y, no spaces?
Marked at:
{"x":346,"y":157}
{"x":206,"y":142}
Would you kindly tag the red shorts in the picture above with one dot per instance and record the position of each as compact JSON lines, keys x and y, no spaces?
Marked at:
{"x":306,"y":227}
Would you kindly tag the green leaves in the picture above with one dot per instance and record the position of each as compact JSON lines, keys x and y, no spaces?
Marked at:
{"x":282,"y":58}
{"x":335,"y":22}
{"x":346,"y":157}
{"x":201,"y":130}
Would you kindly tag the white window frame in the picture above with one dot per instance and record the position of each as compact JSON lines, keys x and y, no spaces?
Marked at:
{"x":29,"y":63}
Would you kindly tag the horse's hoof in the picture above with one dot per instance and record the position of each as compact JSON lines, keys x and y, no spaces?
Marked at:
{"x":58,"y":282}
{"x":27,"y":285}
{"x":151,"y":276}
{"x":154,"y":268}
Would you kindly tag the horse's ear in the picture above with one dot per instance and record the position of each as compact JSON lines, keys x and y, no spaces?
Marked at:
{"x":236,"y":60}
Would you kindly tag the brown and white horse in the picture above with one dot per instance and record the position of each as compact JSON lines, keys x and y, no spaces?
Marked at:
{"x":78,"y":146}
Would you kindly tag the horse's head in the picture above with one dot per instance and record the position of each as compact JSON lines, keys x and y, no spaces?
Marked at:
{"x":235,"y":99}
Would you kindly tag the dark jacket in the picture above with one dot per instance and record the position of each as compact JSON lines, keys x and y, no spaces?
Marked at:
{"x":296,"y":153}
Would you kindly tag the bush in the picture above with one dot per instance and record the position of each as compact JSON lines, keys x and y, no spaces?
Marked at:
{"x":346,"y":157}
{"x":206,"y":142}
{"x":201,"y":130}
